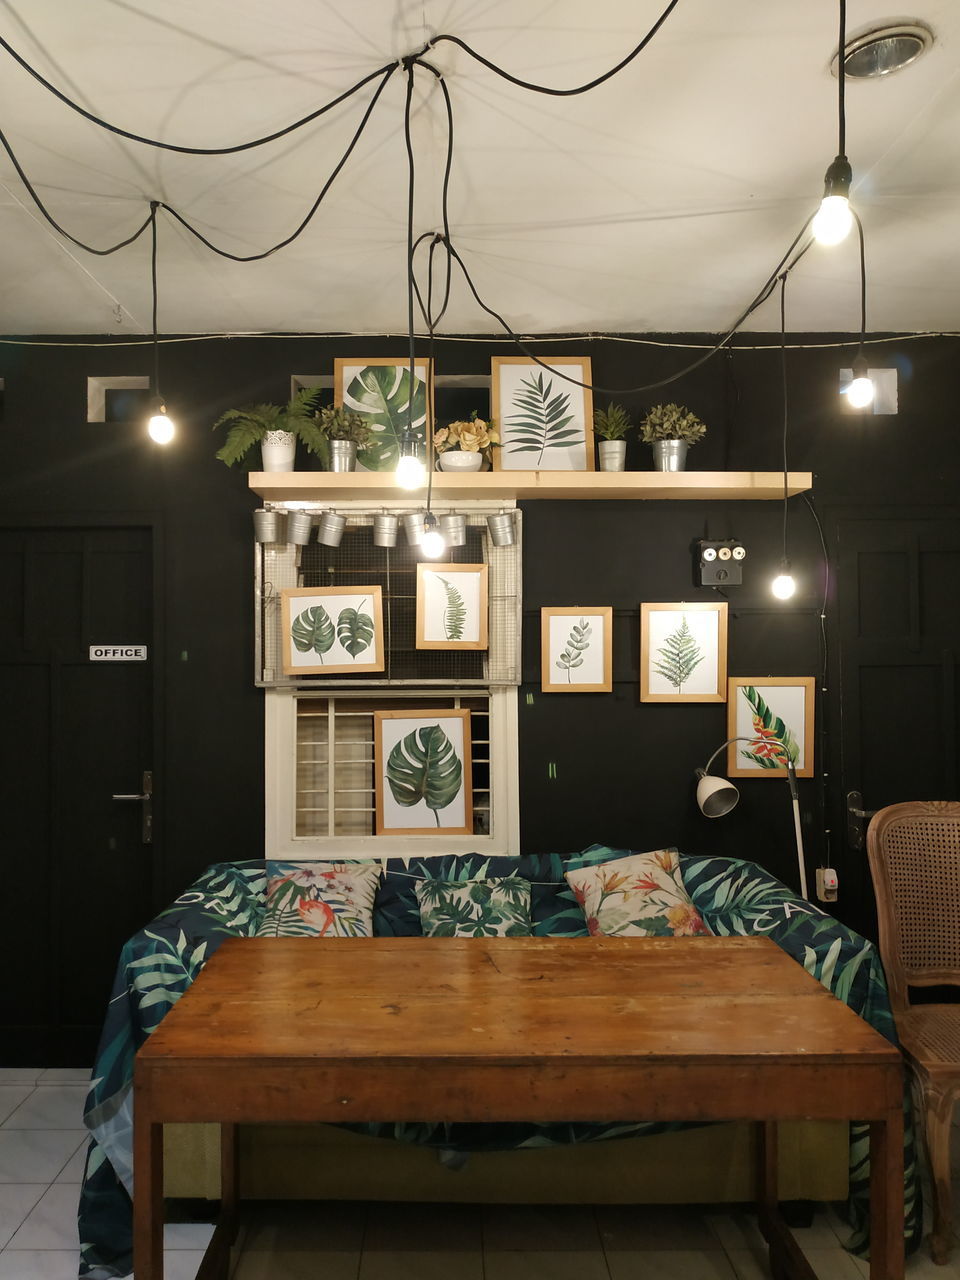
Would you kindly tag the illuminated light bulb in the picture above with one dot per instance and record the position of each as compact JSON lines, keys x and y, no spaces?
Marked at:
{"x":433,"y":543}
{"x":860,"y":391}
{"x":410,"y":472}
{"x":833,"y":220}
{"x":783,"y":585}
{"x":160,"y":429}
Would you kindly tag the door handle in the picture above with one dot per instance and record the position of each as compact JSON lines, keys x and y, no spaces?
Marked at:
{"x":146,"y":800}
{"x":855,"y":816}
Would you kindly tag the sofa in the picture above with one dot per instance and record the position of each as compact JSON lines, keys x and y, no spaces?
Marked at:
{"x":632,"y":1162}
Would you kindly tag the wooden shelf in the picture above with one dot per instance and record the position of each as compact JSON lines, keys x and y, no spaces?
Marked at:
{"x":375,"y":486}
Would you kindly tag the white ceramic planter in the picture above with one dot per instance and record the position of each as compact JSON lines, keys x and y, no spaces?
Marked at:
{"x":278,"y":450}
{"x":460,"y":460}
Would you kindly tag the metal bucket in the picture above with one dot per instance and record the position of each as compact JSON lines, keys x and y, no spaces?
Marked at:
{"x":299,"y":524}
{"x":268,"y":526}
{"x":331,"y":528}
{"x":385,"y":526}
{"x":454,"y":530}
{"x":669,"y":455}
{"x":343,"y":455}
{"x":413,"y":528}
{"x":502,"y":532}
{"x":613,"y":455}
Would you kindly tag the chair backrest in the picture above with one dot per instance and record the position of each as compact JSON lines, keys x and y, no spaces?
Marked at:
{"x":914,"y":854}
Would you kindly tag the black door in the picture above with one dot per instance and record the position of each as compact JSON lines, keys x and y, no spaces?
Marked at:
{"x":77,"y":731}
{"x":898,"y":700}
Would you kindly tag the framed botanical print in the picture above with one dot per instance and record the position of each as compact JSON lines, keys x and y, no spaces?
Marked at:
{"x":576,"y":649}
{"x":775,"y":714}
{"x":451,"y":606}
{"x":683,"y":652}
{"x":381,"y":390}
{"x":331,"y":630}
{"x":545,"y":421}
{"x":423,"y":772}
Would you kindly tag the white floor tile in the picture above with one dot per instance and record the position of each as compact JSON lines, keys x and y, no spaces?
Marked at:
{"x":11,"y":1097}
{"x":16,"y":1201}
{"x":426,"y":1266}
{"x":672,"y":1264}
{"x":55,"y":1106}
{"x":52,"y":1223}
{"x":540,"y":1265}
{"x":65,"y":1075}
{"x":829,"y":1264}
{"x":39,"y":1264}
{"x":181,"y":1264}
{"x":73,"y":1170}
{"x":299,"y":1265}
{"x":736,"y":1231}
{"x":537,"y":1228}
{"x":20,"y":1075}
{"x":36,"y":1155}
{"x":187,"y":1235}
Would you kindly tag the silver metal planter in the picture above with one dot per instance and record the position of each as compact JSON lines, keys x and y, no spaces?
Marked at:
{"x":613,"y":455}
{"x":669,"y":455}
{"x":343,"y":455}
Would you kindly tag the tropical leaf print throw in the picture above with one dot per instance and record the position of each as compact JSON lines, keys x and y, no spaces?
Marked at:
{"x":541,"y":420}
{"x":767,"y":727}
{"x":424,"y":766}
{"x":578,"y":642}
{"x":678,"y":656}
{"x":312,"y":631}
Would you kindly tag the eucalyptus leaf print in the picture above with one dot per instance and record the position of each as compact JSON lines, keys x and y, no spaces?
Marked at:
{"x":541,"y":420}
{"x":768,"y":728}
{"x":678,"y":656}
{"x":578,"y":642}
{"x":424,"y":765}
{"x":455,"y":611}
{"x":382,"y":394}
{"x":313,"y":632}
{"x":355,"y":630}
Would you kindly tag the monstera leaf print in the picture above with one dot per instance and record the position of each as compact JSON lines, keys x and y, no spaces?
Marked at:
{"x":355,"y":630}
{"x":767,"y":726}
{"x":425,"y":766}
{"x":542,"y":419}
{"x":455,"y":612}
{"x":382,"y":394}
{"x":578,"y":642}
{"x":312,"y":631}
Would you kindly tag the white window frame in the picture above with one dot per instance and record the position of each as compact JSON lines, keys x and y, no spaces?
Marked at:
{"x":280,"y":773}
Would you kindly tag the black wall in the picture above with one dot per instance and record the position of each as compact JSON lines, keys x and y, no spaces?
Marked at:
{"x":623,"y":770}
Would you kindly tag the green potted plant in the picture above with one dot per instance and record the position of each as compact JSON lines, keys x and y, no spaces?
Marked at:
{"x":345,"y":432}
{"x":611,"y":425}
{"x":276,"y":428}
{"x":671,"y":429}
{"x":466,"y":446}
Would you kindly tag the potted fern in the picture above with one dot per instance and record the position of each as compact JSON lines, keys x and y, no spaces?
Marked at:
{"x":611,"y":425}
{"x":276,"y":428}
{"x":671,"y":429}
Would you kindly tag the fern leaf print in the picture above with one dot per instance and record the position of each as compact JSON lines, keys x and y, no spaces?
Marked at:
{"x":540,"y":420}
{"x":678,"y":656}
{"x":454,"y":613}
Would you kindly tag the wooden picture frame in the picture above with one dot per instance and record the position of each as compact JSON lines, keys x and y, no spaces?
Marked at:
{"x":545,"y":422}
{"x":683,"y":652}
{"x":451,"y":606}
{"x":327,"y":630}
{"x":419,"y":757}
{"x":376,"y":387}
{"x":577,"y":641}
{"x":770,"y":705}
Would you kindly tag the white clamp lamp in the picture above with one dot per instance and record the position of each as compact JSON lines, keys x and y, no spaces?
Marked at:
{"x":717,"y":796}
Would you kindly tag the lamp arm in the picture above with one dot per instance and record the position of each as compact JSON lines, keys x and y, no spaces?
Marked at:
{"x":790,"y":766}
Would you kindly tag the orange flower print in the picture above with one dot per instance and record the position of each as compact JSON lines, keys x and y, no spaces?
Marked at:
{"x":644,"y":883}
{"x":316,"y":915}
{"x":685,"y":920}
{"x":762,"y":746}
{"x":593,"y":927}
{"x":665,"y":859}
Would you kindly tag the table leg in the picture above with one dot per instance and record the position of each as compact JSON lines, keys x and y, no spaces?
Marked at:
{"x":147,"y":1194}
{"x":886,"y":1197}
{"x":215,"y":1264}
{"x":787,"y":1261}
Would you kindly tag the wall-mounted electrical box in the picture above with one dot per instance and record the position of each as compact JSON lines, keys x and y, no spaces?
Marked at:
{"x":720,"y":563}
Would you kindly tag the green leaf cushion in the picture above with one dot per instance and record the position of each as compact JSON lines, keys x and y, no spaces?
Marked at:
{"x":494,"y":908}
{"x":637,"y":896}
{"x":320,"y":899}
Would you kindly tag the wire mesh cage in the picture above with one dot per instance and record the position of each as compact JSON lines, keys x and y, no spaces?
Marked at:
{"x":356,"y":561}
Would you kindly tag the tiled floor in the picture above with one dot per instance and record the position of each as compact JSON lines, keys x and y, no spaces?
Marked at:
{"x":42,"y":1147}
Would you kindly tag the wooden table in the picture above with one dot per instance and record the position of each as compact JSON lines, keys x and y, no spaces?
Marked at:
{"x":526,"y":1029}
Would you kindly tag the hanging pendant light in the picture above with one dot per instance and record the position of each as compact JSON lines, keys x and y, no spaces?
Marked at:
{"x":160,"y":427}
{"x":860,"y":390}
{"x":432,"y":542}
{"x":834,"y":218}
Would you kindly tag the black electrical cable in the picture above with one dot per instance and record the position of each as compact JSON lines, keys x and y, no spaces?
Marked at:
{"x":783,"y":382}
{"x":193,"y":151}
{"x":821,"y":718}
{"x":841,"y":82}
{"x":154,"y":205}
{"x":408,"y":142}
{"x":540,"y":88}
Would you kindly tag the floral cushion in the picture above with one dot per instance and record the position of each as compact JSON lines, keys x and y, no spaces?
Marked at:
{"x":638,"y":896}
{"x":496,"y":908}
{"x":319,"y":899}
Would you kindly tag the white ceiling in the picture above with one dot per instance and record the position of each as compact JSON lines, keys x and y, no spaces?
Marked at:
{"x":658,"y":202}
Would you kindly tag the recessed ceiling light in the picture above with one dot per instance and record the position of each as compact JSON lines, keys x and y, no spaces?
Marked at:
{"x":884,"y":50}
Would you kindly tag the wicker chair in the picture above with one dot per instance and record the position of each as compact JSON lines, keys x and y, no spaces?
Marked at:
{"x":914,"y":853}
